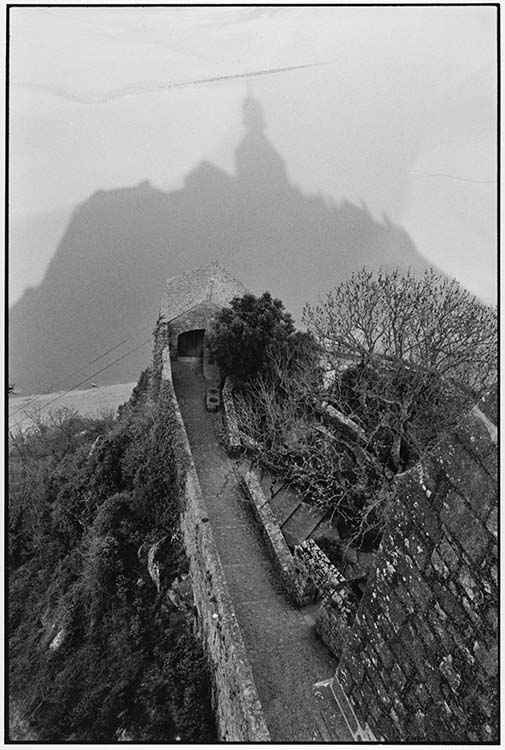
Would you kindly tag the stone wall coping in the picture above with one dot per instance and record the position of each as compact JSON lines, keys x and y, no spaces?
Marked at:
{"x":234,"y":442}
{"x":344,"y":422}
{"x":359,"y":732}
{"x":293,"y":580}
{"x":261,"y":507}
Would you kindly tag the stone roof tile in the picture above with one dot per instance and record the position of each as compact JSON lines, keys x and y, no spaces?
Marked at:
{"x":210,"y":284}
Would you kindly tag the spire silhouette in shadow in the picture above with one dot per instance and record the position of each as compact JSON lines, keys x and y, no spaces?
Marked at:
{"x":106,"y":279}
{"x":257,"y":163}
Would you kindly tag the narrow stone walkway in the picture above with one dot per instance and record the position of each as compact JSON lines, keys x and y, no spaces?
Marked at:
{"x":286,"y":656}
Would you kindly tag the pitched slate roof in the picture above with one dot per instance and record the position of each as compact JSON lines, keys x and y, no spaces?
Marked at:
{"x":210,"y":284}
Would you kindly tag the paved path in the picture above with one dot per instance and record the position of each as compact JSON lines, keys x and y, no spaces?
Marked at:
{"x":286,"y":656}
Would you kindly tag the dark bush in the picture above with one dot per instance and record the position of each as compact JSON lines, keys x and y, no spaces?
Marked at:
{"x":247,"y":332}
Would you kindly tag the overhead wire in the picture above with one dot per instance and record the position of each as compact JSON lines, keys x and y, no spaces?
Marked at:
{"x":129,"y":90}
{"x":76,"y":385}
{"x":38,"y":396}
{"x":124,"y":92}
{"x":71,"y":375}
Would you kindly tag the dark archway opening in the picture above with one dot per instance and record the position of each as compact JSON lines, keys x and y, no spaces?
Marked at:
{"x":190,"y":343}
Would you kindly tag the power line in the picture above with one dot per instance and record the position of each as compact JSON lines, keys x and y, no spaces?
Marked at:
{"x":76,"y":385}
{"x":60,"y":382}
{"x":67,"y":377}
{"x":44,"y":406}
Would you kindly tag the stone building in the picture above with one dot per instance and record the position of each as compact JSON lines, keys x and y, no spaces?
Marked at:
{"x":190,"y":303}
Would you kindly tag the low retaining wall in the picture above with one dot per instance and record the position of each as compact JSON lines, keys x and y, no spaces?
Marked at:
{"x":305,"y":574}
{"x":238,"y":709}
{"x":234,"y":443}
{"x":278,"y":550}
{"x":337,"y":610}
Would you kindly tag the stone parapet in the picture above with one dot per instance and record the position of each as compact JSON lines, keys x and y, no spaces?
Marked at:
{"x":333,"y":622}
{"x":238,"y":710}
{"x":421,"y":663}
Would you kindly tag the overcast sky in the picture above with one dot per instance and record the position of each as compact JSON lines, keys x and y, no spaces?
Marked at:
{"x":402,"y":116}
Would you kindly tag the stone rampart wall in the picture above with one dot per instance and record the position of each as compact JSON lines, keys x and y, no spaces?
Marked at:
{"x":421,"y":661}
{"x":238,"y":710}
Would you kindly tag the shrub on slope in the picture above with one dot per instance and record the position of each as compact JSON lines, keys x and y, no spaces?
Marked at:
{"x":96,"y":652}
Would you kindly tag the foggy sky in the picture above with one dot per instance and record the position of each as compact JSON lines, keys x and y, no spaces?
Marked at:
{"x":403,"y":116}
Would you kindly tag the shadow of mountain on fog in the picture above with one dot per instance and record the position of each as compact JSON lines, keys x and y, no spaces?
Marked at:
{"x":105,"y":281}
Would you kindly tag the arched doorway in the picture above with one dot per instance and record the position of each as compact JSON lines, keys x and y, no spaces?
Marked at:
{"x":190,"y":343}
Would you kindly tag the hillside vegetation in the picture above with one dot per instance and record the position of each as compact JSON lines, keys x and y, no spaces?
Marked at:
{"x":26,"y":411}
{"x":98,"y":650}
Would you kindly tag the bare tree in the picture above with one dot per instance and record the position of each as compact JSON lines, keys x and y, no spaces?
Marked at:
{"x":429,"y":322}
{"x":423,"y":349}
{"x":409,"y":354}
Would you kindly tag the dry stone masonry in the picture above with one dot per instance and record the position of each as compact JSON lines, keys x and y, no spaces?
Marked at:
{"x":337,"y":609}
